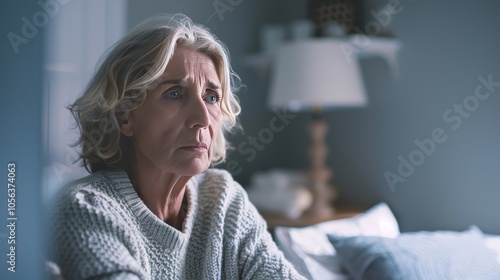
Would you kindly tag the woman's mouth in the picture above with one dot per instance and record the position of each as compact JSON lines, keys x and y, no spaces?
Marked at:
{"x":196,"y":147}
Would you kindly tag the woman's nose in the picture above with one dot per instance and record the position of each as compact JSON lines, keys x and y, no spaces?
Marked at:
{"x":198,"y":113}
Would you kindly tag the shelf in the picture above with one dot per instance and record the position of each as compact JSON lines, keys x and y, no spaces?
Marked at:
{"x":357,"y":45}
{"x":386,"y":48}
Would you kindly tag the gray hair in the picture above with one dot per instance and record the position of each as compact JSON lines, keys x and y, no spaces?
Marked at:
{"x":134,"y":65}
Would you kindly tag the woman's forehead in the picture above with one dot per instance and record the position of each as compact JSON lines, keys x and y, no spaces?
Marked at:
{"x":191,"y":65}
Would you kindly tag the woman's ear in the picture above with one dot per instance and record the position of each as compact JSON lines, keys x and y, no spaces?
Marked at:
{"x":126,"y":128}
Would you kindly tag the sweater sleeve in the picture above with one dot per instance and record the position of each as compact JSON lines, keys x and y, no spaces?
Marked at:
{"x":258,"y":256}
{"x":90,"y":240}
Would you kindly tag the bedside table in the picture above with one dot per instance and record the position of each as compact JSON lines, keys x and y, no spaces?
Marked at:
{"x":342,"y":210}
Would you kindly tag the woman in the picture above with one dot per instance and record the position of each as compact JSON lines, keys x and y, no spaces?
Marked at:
{"x":152,"y":121}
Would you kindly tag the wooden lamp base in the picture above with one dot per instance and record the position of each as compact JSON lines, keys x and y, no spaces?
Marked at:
{"x":319,"y":174}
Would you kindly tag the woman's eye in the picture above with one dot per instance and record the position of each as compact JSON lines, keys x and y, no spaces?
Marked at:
{"x":172,"y":94}
{"x":212,"y":98}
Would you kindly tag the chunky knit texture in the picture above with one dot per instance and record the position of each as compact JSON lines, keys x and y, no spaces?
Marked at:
{"x":103,"y":230}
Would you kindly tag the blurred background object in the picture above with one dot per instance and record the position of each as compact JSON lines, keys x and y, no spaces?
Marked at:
{"x":312,"y":76}
{"x":347,"y":13}
{"x":280,"y":191}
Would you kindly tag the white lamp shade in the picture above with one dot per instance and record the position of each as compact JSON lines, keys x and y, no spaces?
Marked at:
{"x":316,"y":73}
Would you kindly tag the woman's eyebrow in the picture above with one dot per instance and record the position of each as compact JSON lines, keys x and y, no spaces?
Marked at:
{"x":213,"y":85}
{"x":174,"y":82}
{"x":182,"y":82}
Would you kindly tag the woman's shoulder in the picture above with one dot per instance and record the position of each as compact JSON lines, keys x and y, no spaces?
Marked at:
{"x":217,"y":186}
{"x":227,"y":199}
{"x":217,"y":179}
{"x":216,"y":174}
{"x":93,"y":182}
{"x":96,"y":191}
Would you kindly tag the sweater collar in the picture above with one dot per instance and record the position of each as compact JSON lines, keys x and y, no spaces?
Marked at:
{"x":150,"y":223}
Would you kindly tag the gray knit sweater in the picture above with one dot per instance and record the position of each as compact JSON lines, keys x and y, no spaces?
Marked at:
{"x":103,"y":230}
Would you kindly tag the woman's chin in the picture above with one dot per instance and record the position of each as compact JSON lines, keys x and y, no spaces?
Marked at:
{"x":195,"y":167}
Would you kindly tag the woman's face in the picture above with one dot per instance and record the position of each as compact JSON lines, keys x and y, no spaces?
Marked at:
{"x":174,"y":130}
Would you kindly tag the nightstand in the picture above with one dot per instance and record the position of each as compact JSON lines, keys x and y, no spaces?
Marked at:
{"x":342,"y":210}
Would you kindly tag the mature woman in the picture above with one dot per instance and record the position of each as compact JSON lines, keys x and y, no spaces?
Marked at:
{"x":152,"y":121}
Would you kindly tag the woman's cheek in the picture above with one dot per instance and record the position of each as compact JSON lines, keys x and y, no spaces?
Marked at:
{"x":218,"y":117}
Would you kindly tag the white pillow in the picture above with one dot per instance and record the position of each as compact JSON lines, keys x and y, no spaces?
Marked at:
{"x":493,"y":243}
{"x":312,"y":254}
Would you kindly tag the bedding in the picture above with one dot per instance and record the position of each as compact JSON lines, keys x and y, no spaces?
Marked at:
{"x":314,"y":256}
{"x":415,"y":256}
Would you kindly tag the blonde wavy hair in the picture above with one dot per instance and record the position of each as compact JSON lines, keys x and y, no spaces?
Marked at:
{"x":134,"y":65}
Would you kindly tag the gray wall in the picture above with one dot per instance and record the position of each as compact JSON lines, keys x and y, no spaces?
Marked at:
{"x":447,"y":45}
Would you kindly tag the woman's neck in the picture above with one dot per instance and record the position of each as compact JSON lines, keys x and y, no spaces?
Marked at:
{"x":162,"y":192}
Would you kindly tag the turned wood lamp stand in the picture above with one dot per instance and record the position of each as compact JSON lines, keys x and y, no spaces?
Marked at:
{"x":319,"y":174}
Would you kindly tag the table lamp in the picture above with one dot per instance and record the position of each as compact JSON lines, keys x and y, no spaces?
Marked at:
{"x":316,"y":75}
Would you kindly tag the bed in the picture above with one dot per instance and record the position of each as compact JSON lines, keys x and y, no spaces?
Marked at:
{"x":371,"y":246}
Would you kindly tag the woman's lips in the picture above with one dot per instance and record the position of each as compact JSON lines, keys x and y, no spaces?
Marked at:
{"x":197,"y":147}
